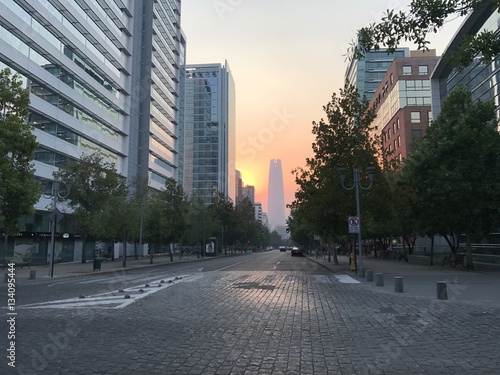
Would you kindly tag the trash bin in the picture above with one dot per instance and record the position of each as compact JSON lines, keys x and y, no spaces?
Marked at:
{"x":97,"y":263}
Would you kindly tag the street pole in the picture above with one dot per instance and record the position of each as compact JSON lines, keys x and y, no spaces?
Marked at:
{"x":356,"y":185}
{"x":55,"y":213}
{"x":55,"y":192}
{"x":359,"y":263}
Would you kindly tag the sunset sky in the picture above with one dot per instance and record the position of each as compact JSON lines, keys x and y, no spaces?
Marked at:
{"x":287,"y":59}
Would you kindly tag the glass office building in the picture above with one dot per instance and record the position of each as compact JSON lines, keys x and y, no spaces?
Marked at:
{"x":481,"y":79}
{"x":366,"y":73}
{"x":104,"y":77}
{"x":209,"y":146}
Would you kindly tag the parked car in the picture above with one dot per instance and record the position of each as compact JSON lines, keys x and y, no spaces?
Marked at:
{"x":296,"y":252}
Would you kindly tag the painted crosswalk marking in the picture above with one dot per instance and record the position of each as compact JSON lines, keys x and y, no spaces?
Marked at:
{"x":346,"y":279}
{"x":115,"y":299}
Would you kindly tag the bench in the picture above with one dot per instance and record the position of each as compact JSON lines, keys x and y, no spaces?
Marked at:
{"x":454,"y":259}
{"x":19,"y":262}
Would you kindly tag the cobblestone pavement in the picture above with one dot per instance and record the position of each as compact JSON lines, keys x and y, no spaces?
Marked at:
{"x":288,"y":322}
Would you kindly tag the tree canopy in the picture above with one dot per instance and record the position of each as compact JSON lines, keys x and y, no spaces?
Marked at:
{"x":346,"y":138}
{"x":18,"y":189}
{"x":455,"y":170}
{"x":95,"y":185}
{"x":423,"y":18}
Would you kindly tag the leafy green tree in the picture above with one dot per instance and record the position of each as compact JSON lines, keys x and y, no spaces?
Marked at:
{"x":167,"y":222}
{"x":18,"y":189}
{"x":245,"y":230}
{"x":425,"y":17}
{"x":95,"y":183}
{"x":299,"y":232}
{"x":344,"y":139}
{"x":197,"y":221}
{"x":223,"y":216}
{"x":455,"y":170}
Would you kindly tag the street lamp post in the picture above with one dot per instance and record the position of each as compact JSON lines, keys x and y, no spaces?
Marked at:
{"x":54,"y":195}
{"x":356,"y":185}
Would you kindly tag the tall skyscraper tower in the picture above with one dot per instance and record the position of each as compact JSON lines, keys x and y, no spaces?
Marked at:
{"x":104,"y":77}
{"x":276,"y":195}
{"x":209,"y":143}
{"x":367,"y":73}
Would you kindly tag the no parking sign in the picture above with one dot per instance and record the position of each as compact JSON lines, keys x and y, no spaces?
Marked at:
{"x":353,"y":224}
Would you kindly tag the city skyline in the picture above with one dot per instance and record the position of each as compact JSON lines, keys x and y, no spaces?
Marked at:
{"x":284,"y":74}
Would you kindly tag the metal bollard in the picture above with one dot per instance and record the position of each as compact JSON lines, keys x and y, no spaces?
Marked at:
{"x":369,"y":275}
{"x":362,"y":271}
{"x":398,"y":284}
{"x":32,"y":274}
{"x":379,"y":279}
{"x":442,"y":292}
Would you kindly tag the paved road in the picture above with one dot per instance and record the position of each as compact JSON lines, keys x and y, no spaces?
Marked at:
{"x":264,"y":313}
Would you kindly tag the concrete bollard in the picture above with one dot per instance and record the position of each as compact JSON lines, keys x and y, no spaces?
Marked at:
{"x":362,"y":272}
{"x":369,"y":275}
{"x":398,"y":284}
{"x":32,"y":274}
{"x":442,"y":292}
{"x":379,"y":279}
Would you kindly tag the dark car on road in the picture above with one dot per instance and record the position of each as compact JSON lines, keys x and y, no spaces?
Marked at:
{"x":296,"y":252}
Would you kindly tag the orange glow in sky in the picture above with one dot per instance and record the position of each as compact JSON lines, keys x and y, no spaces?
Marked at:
{"x":287,"y":58}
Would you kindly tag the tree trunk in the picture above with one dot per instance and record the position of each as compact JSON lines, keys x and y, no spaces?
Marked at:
{"x":468,"y":247}
{"x":335,"y":259}
{"x":125,"y":249}
{"x":432,"y":250}
{"x":84,"y":245}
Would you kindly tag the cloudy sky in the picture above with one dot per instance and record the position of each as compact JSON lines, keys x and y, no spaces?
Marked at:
{"x":287,"y":58}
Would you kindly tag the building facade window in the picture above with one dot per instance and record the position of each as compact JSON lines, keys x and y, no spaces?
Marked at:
{"x":416,"y":134}
{"x":415,"y":117}
{"x":423,"y":70}
{"x":407,"y":70}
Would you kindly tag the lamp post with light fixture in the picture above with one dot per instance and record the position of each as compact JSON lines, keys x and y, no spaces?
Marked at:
{"x":370,"y":171}
{"x":56,"y":215}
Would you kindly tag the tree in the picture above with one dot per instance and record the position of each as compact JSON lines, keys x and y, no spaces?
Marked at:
{"x":18,"y":189}
{"x":167,"y":222}
{"x":344,"y":139}
{"x":425,"y":17}
{"x":455,"y":170}
{"x":95,"y":183}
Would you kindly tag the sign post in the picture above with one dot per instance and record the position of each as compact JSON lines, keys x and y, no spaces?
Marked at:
{"x":353,"y":224}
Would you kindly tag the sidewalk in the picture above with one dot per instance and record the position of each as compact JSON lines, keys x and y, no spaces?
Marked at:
{"x":78,"y":269}
{"x":477,"y":286}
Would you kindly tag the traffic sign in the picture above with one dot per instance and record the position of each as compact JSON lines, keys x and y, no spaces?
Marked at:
{"x":353,"y":224}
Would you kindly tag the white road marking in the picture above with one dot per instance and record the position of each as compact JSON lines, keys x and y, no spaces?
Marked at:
{"x":116,"y":298}
{"x":346,"y":279}
{"x":232,"y":265}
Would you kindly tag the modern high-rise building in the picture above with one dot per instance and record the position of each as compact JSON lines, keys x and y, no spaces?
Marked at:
{"x":366,"y":73}
{"x":209,"y":143}
{"x":239,"y":187}
{"x":276,"y":195}
{"x":258,"y":211}
{"x":104,"y":77}
{"x":403,"y":102}
{"x":248,"y":191}
{"x":480,"y":78}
